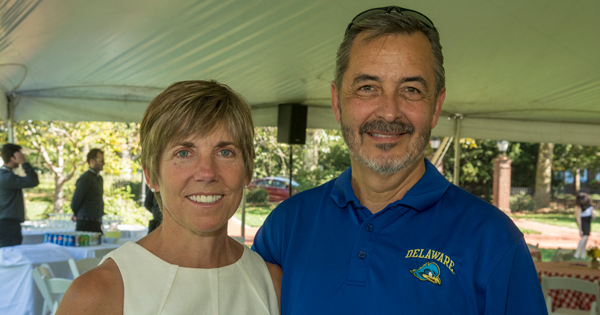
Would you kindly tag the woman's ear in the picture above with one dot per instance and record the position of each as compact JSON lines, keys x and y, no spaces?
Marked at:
{"x":153,"y":187}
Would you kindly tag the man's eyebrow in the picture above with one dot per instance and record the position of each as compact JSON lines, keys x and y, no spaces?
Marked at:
{"x":415,"y":79}
{"x":366,"y":77}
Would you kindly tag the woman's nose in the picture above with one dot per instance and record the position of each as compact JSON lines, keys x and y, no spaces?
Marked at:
{"x":205,"y":170}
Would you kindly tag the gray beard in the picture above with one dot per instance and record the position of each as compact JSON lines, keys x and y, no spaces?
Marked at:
{"x":386,"y":165}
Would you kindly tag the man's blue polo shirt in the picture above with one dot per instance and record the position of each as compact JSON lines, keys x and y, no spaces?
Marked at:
{"x":438,"y":250}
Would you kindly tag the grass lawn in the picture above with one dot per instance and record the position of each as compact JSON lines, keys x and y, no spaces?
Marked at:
{"x":526,"y":231}
{"x":256,"y":215}
{"x":561,"y":218}
{"x":35,"y":209}
{"x":547,"y":253}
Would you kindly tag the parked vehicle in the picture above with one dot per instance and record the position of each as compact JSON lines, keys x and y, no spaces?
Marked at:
{"x":276,"y":187}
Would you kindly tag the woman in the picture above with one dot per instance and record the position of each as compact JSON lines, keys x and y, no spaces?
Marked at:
{"x":197,"y":155}
{"x":584,"y":213}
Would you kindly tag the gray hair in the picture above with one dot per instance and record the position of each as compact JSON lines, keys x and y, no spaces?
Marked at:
{"x":384,"y":24}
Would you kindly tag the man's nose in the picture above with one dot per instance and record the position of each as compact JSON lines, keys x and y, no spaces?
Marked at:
{"x":389,"y":107}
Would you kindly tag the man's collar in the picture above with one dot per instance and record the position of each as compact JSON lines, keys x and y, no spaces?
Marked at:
{"x":94,"y":172}
{"x":4,"y":167}
{"x":426,"y":192}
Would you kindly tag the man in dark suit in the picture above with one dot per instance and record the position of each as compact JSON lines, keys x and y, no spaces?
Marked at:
{"x":12,"y":204}
{"x":87,"y":202}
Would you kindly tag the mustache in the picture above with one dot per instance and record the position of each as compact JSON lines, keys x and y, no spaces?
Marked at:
{"x":384,"y":126}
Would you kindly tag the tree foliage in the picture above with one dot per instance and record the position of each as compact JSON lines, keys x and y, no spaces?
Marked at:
{"x":60,"y":148}
{"x":322,"y":158}
{"x":477,"y":165}
{"x":572,"y":157}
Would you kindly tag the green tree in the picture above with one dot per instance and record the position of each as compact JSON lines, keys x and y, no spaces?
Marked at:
{"x":323,"y":157}
{"x":476,"y":165}
{"x":575,"y":158}
{"x":58,"y":144}
{"x":61,"y":147}
{"x":524,"y":157}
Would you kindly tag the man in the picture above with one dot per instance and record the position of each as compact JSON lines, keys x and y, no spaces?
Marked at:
{"x":391,"y":235}
{"x":12,"y":205}
{"x":87,"y":202}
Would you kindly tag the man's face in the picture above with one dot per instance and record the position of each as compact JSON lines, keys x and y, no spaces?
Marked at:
{"x":19,"y":158}
{"x":387,"y":104}
{"x":97,"y":164}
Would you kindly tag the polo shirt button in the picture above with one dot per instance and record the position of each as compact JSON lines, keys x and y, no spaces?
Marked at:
{"x":370,"y":227}
{"x":362,"y":254}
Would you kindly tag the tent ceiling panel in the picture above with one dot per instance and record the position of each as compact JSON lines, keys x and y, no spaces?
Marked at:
{"x":506,"y":61}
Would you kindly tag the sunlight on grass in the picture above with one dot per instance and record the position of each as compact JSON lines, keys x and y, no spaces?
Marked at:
{"x":547,"y":253}
{"x":34,"y":209}
{"x":256,"y":215}
{"x":526,"y":231}
{"x":565,"y":218}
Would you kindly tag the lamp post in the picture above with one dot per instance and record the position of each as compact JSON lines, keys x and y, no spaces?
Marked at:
{"x":435,"y":143}
{"x":501,"y":185}
{"x":502,"y":146}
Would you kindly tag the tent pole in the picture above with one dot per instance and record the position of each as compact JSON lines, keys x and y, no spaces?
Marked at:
{"x":10,"y":120}
{"x":243,"y":233}
{"x":290,"y":187}
{"x":457,"y":119}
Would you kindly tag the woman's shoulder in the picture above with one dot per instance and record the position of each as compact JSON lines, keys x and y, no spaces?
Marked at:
{"x":97,"y":291}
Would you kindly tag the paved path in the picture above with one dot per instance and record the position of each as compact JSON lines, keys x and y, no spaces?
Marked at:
{"x":235,"y":229}
{"x":551,"y":236}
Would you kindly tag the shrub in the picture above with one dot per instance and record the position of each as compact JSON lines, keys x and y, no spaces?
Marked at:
{"x":257,"y":196}
{"x":120,"y":202}
{"x":134,"y":187}
{"x":522,"y":202}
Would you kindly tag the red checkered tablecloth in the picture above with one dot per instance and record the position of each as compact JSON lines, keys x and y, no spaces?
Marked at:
{"x":568,"y":298}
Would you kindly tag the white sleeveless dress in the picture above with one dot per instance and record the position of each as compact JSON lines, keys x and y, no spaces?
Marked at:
{"x":153,"y":286}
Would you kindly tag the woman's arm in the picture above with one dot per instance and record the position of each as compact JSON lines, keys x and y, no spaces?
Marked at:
{"x":98,"y":291}
{"x":276,"y":275}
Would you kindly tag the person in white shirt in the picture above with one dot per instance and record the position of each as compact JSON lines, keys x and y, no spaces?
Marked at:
{"x":584,"y":213}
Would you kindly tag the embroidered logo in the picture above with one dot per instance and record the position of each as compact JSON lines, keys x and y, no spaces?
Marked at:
{"x":428,"y":272}
{"x":442,"y":258}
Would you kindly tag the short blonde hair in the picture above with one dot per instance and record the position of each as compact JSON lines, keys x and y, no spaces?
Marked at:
{"x":194,"y":107}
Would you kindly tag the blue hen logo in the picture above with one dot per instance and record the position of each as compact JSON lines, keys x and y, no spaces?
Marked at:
{"x":428,"y":272}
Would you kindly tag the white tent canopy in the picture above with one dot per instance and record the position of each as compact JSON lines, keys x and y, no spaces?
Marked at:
{"x":516,"y":70}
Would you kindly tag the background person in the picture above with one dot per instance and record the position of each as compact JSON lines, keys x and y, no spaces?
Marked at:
{"x":197,"y":155}
{"x":391,"y":235}
{"x":151,"y":204}
{"x":87,"y":203}
{"x":12,"y":204}
{"x":584,"y":214}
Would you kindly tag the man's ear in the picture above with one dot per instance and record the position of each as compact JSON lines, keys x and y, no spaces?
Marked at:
{"x":335,"y":103}
{"x":437,"y":110}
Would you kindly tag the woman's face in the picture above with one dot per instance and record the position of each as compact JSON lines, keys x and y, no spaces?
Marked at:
{"x":201,"y":181}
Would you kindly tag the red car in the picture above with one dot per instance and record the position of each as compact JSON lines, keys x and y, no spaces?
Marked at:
{"x":276,"y":187}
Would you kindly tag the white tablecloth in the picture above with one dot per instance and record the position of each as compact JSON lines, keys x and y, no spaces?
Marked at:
{"x":130,"y":232}
{"x":18,"y":293}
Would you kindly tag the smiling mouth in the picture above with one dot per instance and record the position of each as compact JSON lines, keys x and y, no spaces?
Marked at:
{"x":205,"y":198}
{"x":380,"y":135}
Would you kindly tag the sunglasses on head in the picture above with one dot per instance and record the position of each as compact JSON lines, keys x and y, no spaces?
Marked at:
{"x":387,"y":10}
